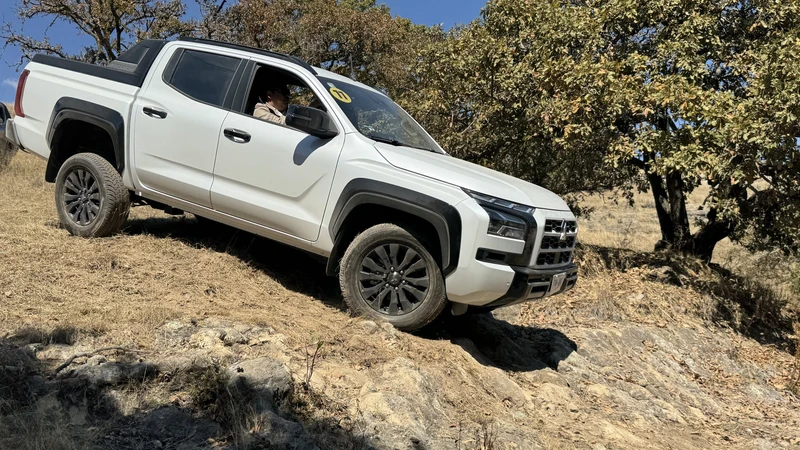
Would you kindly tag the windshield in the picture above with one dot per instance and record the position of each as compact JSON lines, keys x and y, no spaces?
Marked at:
{"x":377,"y":117}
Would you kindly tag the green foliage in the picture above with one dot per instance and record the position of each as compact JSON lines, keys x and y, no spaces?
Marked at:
{"x":587,"y":95}
{"x":114,"y":25}
{"x":355,"y":38}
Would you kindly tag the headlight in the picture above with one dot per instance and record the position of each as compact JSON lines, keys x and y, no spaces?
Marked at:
{"x":506,"y":225}
{"x":504,"y":217}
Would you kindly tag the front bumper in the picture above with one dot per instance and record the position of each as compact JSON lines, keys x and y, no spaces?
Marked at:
{"x":530,"y":284}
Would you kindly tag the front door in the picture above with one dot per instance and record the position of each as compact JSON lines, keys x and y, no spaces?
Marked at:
{"x":274,"y":175}
{"x":177,"y":121}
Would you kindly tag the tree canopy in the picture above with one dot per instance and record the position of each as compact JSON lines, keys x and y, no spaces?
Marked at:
{"x":664,"y":94}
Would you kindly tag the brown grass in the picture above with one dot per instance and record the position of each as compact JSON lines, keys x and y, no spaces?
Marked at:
{"x":617,"y":224}
{"x":159,"y":269}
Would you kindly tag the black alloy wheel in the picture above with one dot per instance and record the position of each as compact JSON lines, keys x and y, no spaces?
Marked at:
{"x":82,"y":197}
{"x":394,"y":279}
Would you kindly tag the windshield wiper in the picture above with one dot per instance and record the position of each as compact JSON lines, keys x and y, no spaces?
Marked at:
{"x":395,"y":142}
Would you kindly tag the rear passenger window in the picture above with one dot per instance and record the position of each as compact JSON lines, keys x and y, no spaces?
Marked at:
{"x":204,"y":76}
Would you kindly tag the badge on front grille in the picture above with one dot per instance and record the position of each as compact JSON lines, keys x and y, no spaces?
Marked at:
{"x":563,"y":236}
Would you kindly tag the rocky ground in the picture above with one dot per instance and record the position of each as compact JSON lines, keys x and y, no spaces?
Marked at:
{"x":169,"y":337}
{"x":484,"y":382}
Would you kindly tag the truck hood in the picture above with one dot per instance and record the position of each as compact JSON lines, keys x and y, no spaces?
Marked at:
{"x":471,"y":176}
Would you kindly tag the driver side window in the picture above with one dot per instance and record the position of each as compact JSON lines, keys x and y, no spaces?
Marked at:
{"x":273,"y":89}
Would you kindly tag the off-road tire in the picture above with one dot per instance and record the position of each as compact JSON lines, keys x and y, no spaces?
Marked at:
{"x":428,"y":309}
{"x":113,"y":195}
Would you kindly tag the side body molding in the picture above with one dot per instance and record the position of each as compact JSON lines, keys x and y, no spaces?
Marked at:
{"x":68,"y":108}
{"x":441,"y":215}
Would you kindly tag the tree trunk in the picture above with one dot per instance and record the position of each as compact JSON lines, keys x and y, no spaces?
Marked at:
{"x":704,"y":241}
{"x":677,"y":213}
{"x":670,"y":202}
{"x":662,"y":207}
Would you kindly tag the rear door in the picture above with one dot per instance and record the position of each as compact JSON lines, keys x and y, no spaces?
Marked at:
{"x":177,"y":121}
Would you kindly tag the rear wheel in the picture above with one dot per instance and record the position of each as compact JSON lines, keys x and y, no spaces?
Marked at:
{"x":388,"y":274}
{"x":91,"y":199}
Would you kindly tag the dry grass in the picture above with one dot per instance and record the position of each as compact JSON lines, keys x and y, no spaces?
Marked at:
{"x":616,"y":224}
{"x":159,"y":269}
{"x":119,"y":291}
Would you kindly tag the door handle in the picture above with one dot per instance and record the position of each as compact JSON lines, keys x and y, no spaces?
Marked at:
{"x":238,"y":136}
{"x":154,"y":113}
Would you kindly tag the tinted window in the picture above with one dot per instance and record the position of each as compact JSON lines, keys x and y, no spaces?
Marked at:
{"x":204,"y":76}
{"x":377,"y":117}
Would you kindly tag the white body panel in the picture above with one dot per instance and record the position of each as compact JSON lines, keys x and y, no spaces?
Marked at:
{"x":280,"y":179}
{"x":174,"y":155}
{"x":283,"y":184}
{"x":471,"y":176}
{"x":47,"y":84}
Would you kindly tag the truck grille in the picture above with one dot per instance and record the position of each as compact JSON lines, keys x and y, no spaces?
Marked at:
{"x":558,"y":226}
{"x":558,"y":242}
{"x":553,"y":242}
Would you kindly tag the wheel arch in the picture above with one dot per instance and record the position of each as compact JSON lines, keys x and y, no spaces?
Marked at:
{"x":391,"y":203}
{"x":74,"y":121}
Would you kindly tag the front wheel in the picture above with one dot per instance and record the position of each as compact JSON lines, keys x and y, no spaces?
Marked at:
{"x":388,"y":274}
{"x":91,"y":199}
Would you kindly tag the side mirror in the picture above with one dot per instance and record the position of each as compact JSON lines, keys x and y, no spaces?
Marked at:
{"x":311,"y":120}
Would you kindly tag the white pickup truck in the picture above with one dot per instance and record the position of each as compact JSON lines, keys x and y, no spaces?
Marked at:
{"x":408,"y":229}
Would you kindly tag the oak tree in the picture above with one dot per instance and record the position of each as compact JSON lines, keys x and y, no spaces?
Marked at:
{"x":663,"y":94}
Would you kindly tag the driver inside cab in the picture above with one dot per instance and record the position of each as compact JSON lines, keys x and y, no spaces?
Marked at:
{"x":273,"y":109}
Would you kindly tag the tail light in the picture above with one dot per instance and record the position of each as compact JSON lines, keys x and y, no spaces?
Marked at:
{"x":20,"y":90}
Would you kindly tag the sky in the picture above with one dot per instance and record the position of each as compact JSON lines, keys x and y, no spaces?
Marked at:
{"x":429,"y":12}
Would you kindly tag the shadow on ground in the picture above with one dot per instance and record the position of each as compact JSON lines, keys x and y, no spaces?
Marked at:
{"x":747,"y":306}
{"x":497,"y":343}
{"x":39,"y":409}
{"x":296,"y":270}
{"x":491,"y":341}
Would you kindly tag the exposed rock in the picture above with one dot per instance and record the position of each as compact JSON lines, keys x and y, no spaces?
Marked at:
{"x":399,"y":407}
{"x":113,"y":373}
{"x":263,"y":381}
{"x":166,"y":427}
{"x":278,"y":432}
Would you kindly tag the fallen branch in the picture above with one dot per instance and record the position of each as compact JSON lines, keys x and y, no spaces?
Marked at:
{"x":69,"y":361}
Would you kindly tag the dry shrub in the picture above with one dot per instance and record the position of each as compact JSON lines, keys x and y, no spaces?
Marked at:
{"x":7,"y":152}
{"x":40,"y":428}
{"x":16,"y":389}
{"x":210,"y":390}
{"x":66,"y":335}
{"x":24,"y":425}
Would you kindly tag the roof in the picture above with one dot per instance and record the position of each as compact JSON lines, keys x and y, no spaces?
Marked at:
{"x":289,"y":58}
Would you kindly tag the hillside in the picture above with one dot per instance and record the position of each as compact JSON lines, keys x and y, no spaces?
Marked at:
{"x":218,"y":339}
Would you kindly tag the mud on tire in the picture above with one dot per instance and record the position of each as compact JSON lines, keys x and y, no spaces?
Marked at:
{"x":388,"y":274}
{"x":90,"y":197}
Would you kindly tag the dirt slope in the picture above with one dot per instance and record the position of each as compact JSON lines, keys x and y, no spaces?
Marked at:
{"x":643,"y":354}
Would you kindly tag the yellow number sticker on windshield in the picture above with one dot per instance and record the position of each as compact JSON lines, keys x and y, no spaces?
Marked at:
{"x":340,"y":95}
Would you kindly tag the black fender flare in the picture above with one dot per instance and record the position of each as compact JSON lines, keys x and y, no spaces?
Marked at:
{"x":441,"y":215}
{"x":68,"y":108}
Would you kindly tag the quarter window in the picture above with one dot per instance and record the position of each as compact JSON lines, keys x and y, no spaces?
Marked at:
{"x":204,"y":76}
